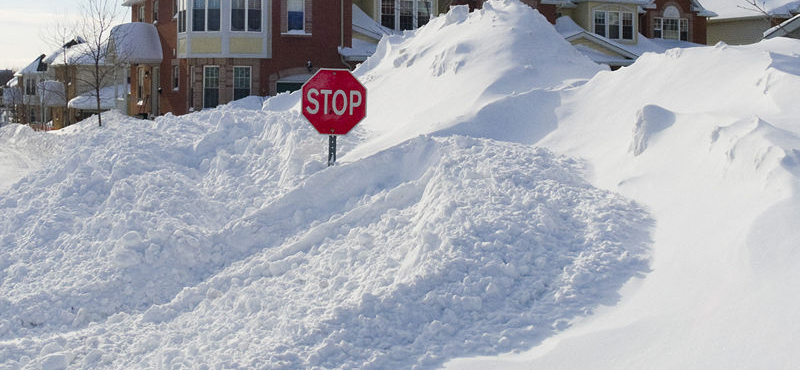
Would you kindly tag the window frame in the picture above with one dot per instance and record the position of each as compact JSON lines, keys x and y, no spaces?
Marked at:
{"x":617,"y":26}
{"x":155,"y":11}
{"x":252,"y":13}
{"x":681,"y":32}
{"x":302,"y":20}
{"x":181,"y":14}
{"x":399,"y":12}
{"x":205,"y":84}
{"x":176,"y":77}
{"x":249,"y":81}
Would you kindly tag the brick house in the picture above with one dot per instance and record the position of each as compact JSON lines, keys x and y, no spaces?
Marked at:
{"x":608,"y":31}
{"x":216,"y":51}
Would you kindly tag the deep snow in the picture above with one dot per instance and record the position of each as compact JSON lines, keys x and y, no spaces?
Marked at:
{"x":500,"y":203}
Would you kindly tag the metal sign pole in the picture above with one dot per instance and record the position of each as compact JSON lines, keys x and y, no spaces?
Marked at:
{"x":331,"y":150}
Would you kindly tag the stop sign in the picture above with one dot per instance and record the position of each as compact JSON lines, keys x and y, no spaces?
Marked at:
{"x":334,"y":101}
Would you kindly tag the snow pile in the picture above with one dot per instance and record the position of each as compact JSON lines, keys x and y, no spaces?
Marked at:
{"x":220,"y":239}
{"x":711,"y":144}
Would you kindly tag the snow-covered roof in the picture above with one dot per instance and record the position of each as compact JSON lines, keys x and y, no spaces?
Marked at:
{"x":137,"y":43}
{"x":360,"y":51}
{"x":571,"y":31}
{"x":35,"y":67}
{"x":50,"y":58}
{"x":784,"y":28}
{"x":740,"y":9}
{"x":365,"y":25}
{"x":81,"y":54}
{"x":13,"y":82}
{"x":87,"y":100}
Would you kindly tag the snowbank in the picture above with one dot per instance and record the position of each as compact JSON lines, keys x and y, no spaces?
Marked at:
{"x":219,"y":239}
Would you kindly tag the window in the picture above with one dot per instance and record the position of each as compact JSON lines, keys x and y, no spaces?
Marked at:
{"x":175,"y":77}
{"x":657,"y":28}
{"x":671,"y":26}
{"x":237,"y":15}
{"x":174,"y":8}
{"x":140,"y":84}
{"x":254,"y":15}
{"x":210,"y":86}
{"x":30,"y":86}
{"x":182,"y":16}
{"x":387,"y":13}
{"x":684,"y":32}
{"x":213,"y":15}
{"x":405,"y":14}
{"x":140,"y":12}
{"x":246,"y":18}
{"x":627,"y":26}
{"x":613,"y":24}
{"x":423,"y":13}
{"x":199,"y":15}
{"x":296,"y":15}
{"x":600,"y":23}
{"x":155,"y":11}
{"x":241,"y":82}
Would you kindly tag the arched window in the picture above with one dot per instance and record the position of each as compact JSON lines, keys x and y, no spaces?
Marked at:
{"x":671,"y":25}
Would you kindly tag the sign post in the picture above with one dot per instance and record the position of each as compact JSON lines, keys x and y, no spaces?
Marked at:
{"x":334,"y":102}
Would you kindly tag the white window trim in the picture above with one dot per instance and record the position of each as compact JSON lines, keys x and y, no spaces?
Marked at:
{"x":621,"y":16}
{"x":203,"y":95}
{"x":300,"y":31}
{"x":247,"y":18}
{"x":249,"y":77}
{"x":190,"y":23}
{"x":414,"y":10}
{"x":176,"y":77}
{"x":681,"y":22}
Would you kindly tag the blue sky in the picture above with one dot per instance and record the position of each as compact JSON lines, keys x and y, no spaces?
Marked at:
{"x":24,"y":23}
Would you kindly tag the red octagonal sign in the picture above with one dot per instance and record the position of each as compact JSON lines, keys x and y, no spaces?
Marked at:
{"x":334,"y":101}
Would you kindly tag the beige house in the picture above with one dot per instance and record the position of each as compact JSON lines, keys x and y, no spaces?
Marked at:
{"x":739,"y":23}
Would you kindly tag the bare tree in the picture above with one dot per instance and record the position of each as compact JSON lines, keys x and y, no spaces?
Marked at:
{"x":97,"y":20}
{"x":61,"y":36}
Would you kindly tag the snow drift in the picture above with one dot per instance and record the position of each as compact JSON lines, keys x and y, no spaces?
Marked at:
{"x":220,"y":239}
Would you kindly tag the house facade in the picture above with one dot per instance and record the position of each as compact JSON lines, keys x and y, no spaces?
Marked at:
{"x":616,"y":32}
{"x":216,"y":51}
{"x":740,"y":23}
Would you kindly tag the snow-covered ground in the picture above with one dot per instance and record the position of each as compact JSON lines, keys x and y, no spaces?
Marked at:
{"x":505,"y":197}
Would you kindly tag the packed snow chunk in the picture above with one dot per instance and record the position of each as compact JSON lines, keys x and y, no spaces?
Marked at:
{"x":432,"y":249}
{"x":650,"y":120}
{"x":430,"y":79}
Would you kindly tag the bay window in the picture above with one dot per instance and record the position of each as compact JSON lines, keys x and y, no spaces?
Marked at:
{"x":614,"y":25}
